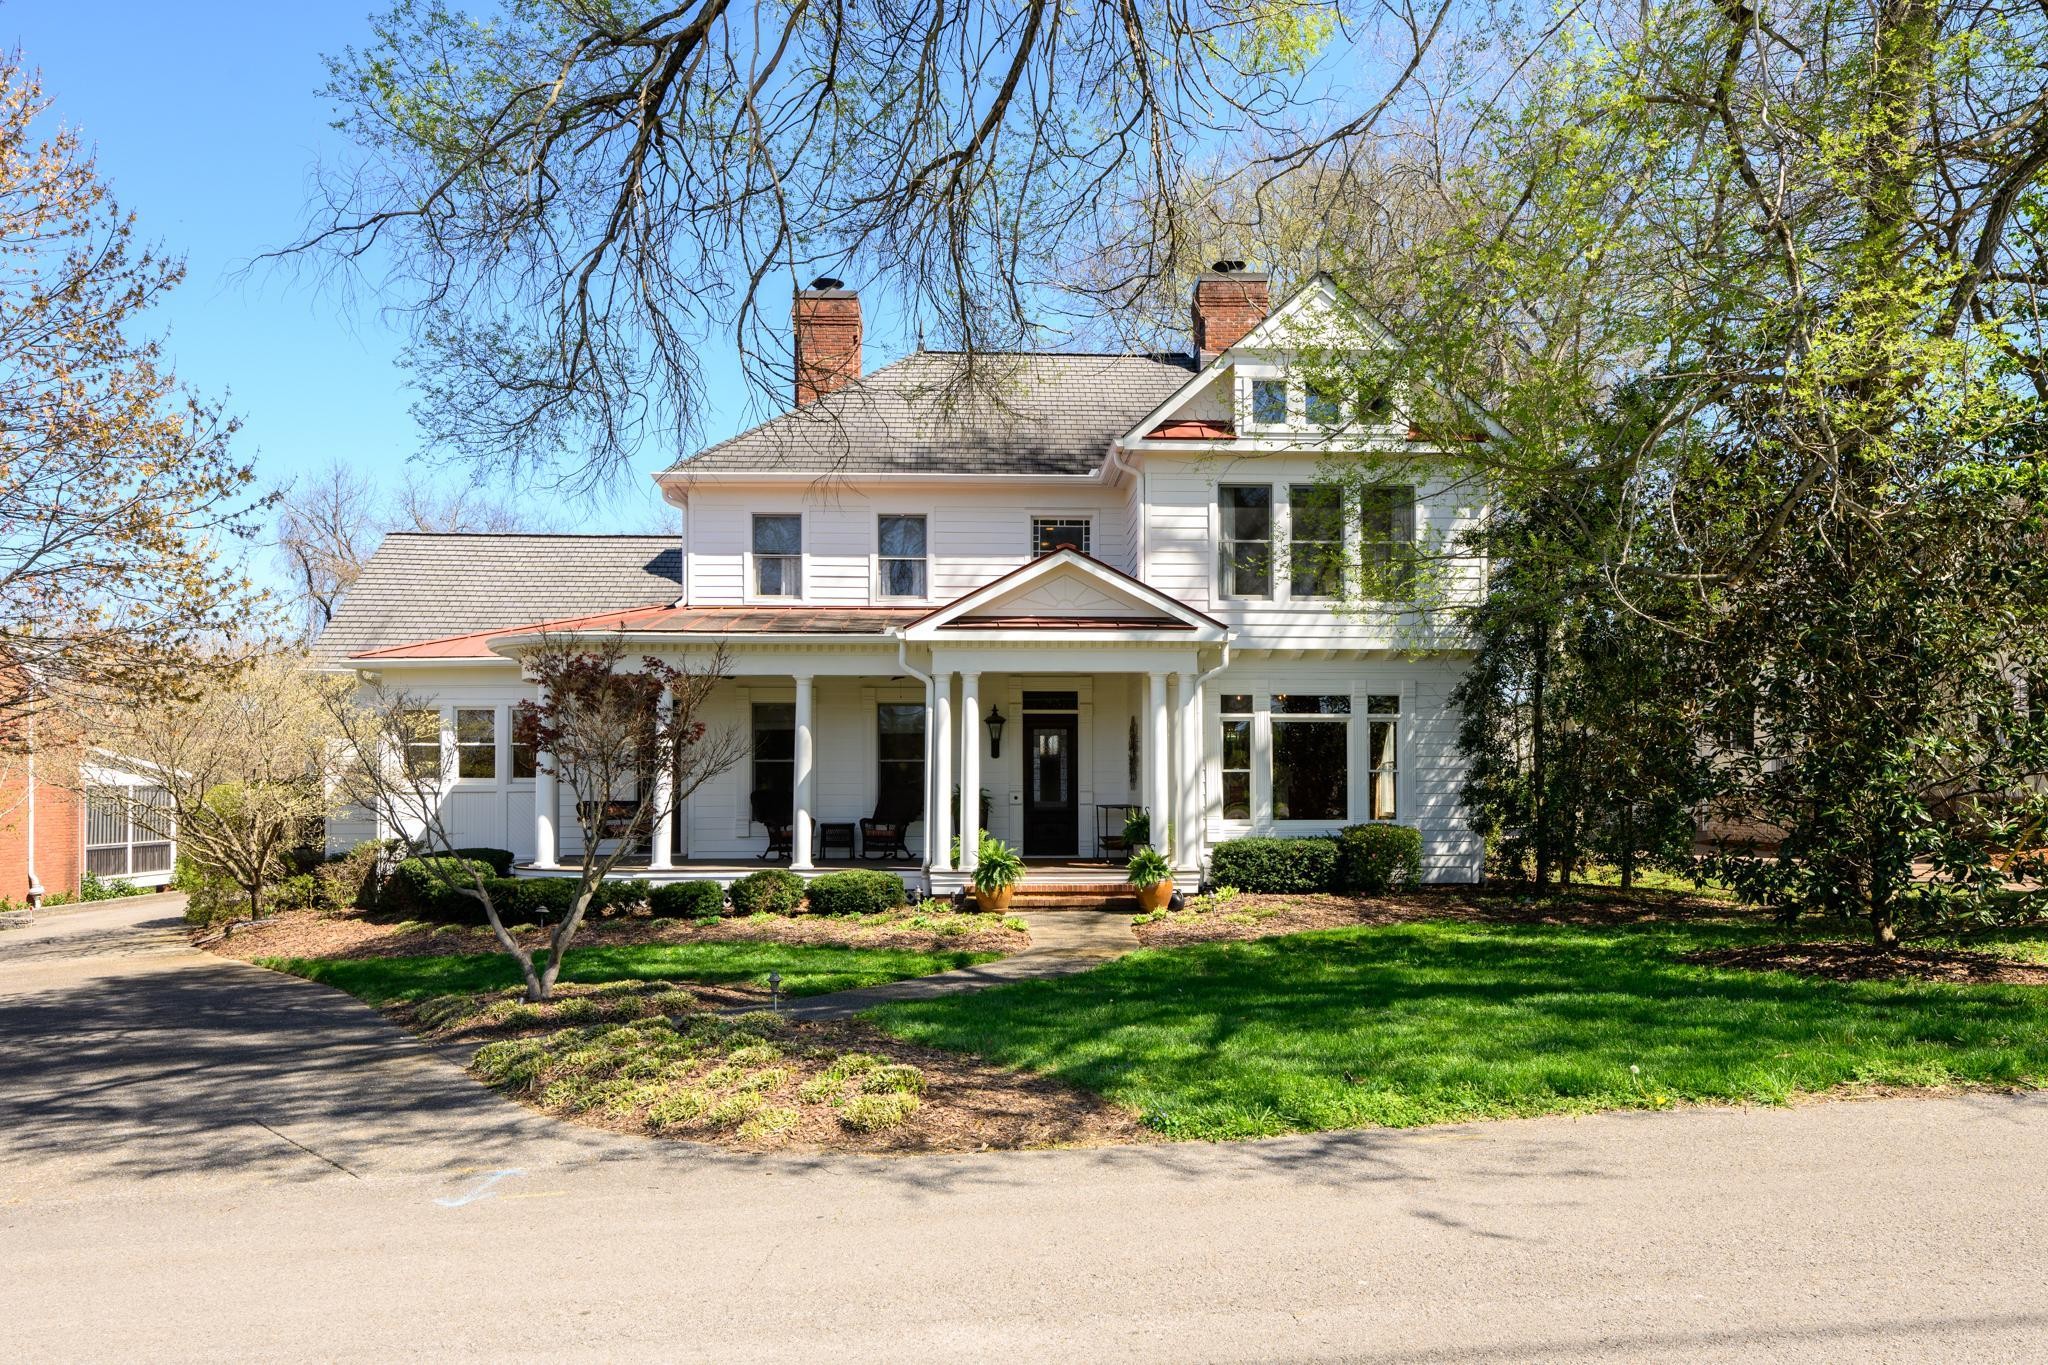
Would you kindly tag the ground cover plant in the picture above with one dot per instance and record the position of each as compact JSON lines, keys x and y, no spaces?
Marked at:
{"x":1449,"y":1020}
{"x":805,"y":969}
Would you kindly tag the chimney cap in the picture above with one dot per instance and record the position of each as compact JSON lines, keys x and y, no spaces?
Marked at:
{"x":1227,"y":267}
{"x":828,"y":282}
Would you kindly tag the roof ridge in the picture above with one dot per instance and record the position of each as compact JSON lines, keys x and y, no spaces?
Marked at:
{"x":541,"y":535}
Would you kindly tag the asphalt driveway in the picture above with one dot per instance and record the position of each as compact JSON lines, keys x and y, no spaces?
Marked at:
{"x":201,"y":1160}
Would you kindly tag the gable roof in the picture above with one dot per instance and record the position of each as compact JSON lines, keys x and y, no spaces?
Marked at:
{"x":1016,"y":414}
{"x":420,"y":586}
{"x":982,"y":608}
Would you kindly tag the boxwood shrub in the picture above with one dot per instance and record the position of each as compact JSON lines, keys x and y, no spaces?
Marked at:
{"x":531,"y":898}
{"x":687,"y":900}
{"x":1372,"y":859}
{"x":1275,"y":865}
{"x":427,"y":887}
{"x":775,"y":890}
{"x":500,"y":859}
{"x":860,"y":891}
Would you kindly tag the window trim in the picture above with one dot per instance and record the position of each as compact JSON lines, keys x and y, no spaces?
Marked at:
{"x":1086,"y":520}
{"x":1225,"y":575}
{"x":1252,"y":421}
{"x":882,"y":594}
{"x":491,"y":745}
{"x":1249,"y":718}
{"x":1397,"y":718}
{"x":754,"y":557}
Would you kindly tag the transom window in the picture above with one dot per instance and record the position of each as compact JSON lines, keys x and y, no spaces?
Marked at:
{"x":1236,"y":708}
{"x":902,"y":561}
{"x":1311,"y":756}
{"x":778,"y":556}
{"x":1387,"y":542}
{"x":1315,"y":544}
{"x":1247,"y":541}
{"x":127,"y":830}
{"x":476,"y":742}
{"x":1051,"y":534}
{"x":1269,"y":402}
{"x":1383,"y":721}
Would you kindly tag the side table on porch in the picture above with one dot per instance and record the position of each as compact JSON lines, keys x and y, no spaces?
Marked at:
{"x":835,"y":834}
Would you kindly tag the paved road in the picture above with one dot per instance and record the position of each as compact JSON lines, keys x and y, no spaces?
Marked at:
{"x":198,"y":1160}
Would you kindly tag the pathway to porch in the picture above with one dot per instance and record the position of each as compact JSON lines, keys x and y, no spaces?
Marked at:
{"x":1063,"y":942}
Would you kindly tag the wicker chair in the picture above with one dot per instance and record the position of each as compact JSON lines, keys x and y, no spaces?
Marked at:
{"x":885,"y":834}
{"x":775,"y":811}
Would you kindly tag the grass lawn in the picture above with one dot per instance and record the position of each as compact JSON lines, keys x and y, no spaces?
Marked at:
{"x":806,"y":969}
{"x":1441,"y":1021}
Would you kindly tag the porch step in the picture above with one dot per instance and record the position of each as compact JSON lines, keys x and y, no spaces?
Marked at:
{"x":1091,"y":898}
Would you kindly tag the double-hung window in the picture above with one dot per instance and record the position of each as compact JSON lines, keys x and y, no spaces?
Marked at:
{"x":1236,"y":767}
{"x":1315,"y":541}
{"x":778,"y":555}
{"x":421,"y":736}
{"x":774,"y":726}
{"x":1383,"y":756}
{"x":1247,"y":541}
{"x":901,"y":565}
{"x":899,"y":753}
{"x":476,"y":742}
{"x":1387,"y":542}
{"x":1049,"y":534}
{"x":1311,"y":756}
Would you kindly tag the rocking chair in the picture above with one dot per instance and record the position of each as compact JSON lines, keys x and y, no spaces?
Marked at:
{"x":775,"y":810}
{"x":884,"y":834}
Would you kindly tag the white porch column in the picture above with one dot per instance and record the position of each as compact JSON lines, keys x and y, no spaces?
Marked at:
{"x":660,"y":839}
{"x":1157,"y":789}
{"x":941,"y":820}
{"x":1187,"y":822}
{"x":546,"y":806}
{"x":800,"y":829}
{"x":970,"y":771}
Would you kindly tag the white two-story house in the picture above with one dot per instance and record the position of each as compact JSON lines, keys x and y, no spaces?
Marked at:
{"x":1063,"y":582}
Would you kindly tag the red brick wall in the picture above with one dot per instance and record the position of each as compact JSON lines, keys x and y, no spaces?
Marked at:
{"x":1226,"y":308}
{"x":60,"y":825}
{"x":827,"y":326}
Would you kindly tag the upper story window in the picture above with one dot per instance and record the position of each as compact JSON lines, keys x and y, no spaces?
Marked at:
{"x":1269,"y":402}
{"x":1325,"y":406}
{"x":901,"y":567}
{"x":1315,"y":542}
{"x":1049,"y":534}
{"x":1247,"y":542}
{"x":476,"y":742}
{"x":1387,"y":542}
{"x":778,"y":556}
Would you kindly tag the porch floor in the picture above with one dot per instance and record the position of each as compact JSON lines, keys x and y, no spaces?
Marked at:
{"x":1038,"y":872}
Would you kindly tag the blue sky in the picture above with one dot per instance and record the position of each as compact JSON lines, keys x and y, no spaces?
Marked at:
{"x":206,"y":121}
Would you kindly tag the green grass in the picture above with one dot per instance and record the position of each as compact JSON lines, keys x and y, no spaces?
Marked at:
{"x":1438,"y":1022}
{"x":805,"y":969}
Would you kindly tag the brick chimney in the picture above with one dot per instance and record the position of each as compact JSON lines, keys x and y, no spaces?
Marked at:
{"x":1229,"y":302}
{"x":826,"y":321}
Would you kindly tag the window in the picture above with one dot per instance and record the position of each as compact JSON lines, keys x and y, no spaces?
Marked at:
{"x":127,"y":830}
{"x":1237,"y":756}
{"x":476,"y":742}
{"x":422,"y":734}
{"x":1383,"y":760}
{"x":899,"y":754}
{"x":1049,"y":534}
{"x":1374,"y":403}
{"x":1311,"y":756}
{"x":1315,"y":545}
{"x":1388,"y":542}
{"x":1269,"y":402}
{"x":775,"y":755}
{"x":1325,"y":406}
{"x":522,"y":756}
{"x":778,"y":556}
{"x":902,"y":565}
{"x":1247,"y":546}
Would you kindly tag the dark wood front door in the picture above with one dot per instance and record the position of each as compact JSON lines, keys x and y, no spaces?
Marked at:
{"x":1051,"y":781}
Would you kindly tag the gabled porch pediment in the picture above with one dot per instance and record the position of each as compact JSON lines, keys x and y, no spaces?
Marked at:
{"x":1067,"y":592}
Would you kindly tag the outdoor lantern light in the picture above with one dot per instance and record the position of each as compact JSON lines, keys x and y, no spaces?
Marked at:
{"x":995,"y":723}
{"x":775,"y":991}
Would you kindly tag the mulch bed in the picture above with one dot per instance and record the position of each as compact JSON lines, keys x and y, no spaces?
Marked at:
{"x":359,"y":934}
{"x":1867,"y":962}
{"x":1250,"y":916}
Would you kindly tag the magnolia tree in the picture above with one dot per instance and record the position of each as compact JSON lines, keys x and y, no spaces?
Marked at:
{"x":240,"y":763}
{"x":613,"y":737}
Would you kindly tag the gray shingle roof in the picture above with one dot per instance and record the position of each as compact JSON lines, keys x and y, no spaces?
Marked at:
{"x":420,"y":586}
{"x":927,"y":414}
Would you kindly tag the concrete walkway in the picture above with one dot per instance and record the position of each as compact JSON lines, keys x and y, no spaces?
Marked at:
{"x":1063,"y":942}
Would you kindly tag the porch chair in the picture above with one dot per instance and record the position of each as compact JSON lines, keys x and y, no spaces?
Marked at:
{"x":884,"y":834}
{"x":1109,"y":830}
{"x":775,"y":810}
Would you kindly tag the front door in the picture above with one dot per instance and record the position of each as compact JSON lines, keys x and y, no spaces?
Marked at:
{"x":1051,"y":780}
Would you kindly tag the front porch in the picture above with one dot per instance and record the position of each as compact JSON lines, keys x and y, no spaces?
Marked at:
{"x":1039,"y":874}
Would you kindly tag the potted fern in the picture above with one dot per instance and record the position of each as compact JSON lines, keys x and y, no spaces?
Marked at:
{"x":1151,"y":878}
{"x":997,"y":870}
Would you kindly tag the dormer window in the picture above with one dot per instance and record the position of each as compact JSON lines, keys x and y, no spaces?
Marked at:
{"x":1269,"y":402}
{"x":1325,"y":406}
{"x":778,"y":556}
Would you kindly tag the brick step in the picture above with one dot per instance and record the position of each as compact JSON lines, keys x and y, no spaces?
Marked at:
{"x":1040,"y":903}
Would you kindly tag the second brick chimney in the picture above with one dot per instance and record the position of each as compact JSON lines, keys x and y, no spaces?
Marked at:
{"x":826,"y":321}
{"x":1229,"y":302}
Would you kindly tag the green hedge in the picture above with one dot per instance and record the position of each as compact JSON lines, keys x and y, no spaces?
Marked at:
{"x":528,"y":898}
{"x":1374,"y":859}
{"x":1275,"y":865}
{"x":500,"y":859}
{"x":774,"y":890}
{"x":427,"y":887}
{"x":862,"y":891}
{"x":687,"y":900}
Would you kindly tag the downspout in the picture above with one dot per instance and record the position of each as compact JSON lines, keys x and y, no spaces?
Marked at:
{"x":1137,"y":472}
{"x":931,"y":703}
{"x":35,"y":883}
{"x":1201,"y":831}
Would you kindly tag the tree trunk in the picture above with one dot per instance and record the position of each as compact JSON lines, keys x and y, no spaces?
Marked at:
{"x":1628,"y":846}
{"x":1539,"y":777}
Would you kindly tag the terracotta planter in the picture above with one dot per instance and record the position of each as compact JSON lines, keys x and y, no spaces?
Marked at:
{"x":1153,"y":898}
{"x":994,"y":902}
